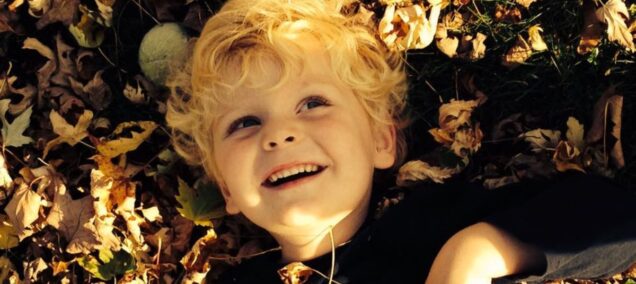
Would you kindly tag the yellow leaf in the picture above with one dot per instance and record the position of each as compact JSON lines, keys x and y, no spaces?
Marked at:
{"x":575,"y":133}
{"x":6,"y":269}
{"x":525,"y":3}
{"x":23,"y":210}
{"x":614,"y":13}
{"x":535,"y":39}
{"x":566,"y":157}
{"x":114,"y":148}
{"x":8,"y":234}
{"x":517,"y":54}
{"x":456,"y":113}
{"x":408,"y":27}
{"x":448,"y":46}
{"x":196,"y":260}
{"x":67,"y":133}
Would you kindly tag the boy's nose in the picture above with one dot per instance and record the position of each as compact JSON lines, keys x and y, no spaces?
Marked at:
{"x":273,"y":144}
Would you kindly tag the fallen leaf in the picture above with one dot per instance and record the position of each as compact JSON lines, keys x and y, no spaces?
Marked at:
{"x":517,"y":54}
{"x":6,"y":268}
{"x":408,"y":27}
{"x":473,"y":48}
{"x":33,"y":269}
{"x":60,"y":11}
{"x":12,"y":133}
{"x":295,"y":273}
{"x":200,"y":205}
{"x":535,"y":40}
{"x":152,"y":214}
{"x":566,"y":157}
{"x":135,"y":95}
{"x":196,"y":260}
{"x":73,"y":219}
{"x":109,"y":264}
{"x":417,"y":170}
{"x":38,"y":7}
{"x":505,"y":14}
{"x":467,"y":141}
{"x":46,"y":71}
{"x":23,"y":210}
{"x":95,"y":92}
{"x":608,"y":109}
{"x":614,"y":13}
{"x":456,"y":113}
{"x":8,"y":234}
{"x":5,"y":179}
{"x":87,"y":32}
{"x":542,"y":139}
{"x":68,"y":134}
{"x":574,"y":134}
{"x":492,"y":183}
{"x":27,"y":92}
{"x":116,"y":147}
{"x":592,"y":29}
{"x":525,"y":3}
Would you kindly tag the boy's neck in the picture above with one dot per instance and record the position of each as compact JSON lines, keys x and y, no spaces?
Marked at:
{"x":304,"y":247}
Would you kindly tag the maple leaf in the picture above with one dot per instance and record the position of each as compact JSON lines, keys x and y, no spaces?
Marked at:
{"x":109,"y":264}
{"x":8,"y":234}
{"x":72,"y":218}
{"x":419,"y":171}
{"x":116,"y":147}
{"x":201,"y":204}
{"x":12,"y":133}
{"x":61,"y":11}
{"x":614,"y":13}
{"x":23,"y":209}
{"x":67,"y":133}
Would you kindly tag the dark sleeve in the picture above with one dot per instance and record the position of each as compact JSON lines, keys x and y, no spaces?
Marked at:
{"x":584,"y":225}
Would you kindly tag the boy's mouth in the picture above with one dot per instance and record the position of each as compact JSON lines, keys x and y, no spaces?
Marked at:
{"x":292,"y":175}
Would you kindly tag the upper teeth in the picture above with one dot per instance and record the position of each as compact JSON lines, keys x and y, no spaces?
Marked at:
{"x":292,"y":171}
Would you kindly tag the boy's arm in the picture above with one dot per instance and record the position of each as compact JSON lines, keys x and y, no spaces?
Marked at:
{"x":481,"y":252}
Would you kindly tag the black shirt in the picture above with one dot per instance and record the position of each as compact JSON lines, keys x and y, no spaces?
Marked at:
{"x":586,"y":227}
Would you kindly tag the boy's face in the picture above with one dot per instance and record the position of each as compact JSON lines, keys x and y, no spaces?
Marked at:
{"x":312,"y":123}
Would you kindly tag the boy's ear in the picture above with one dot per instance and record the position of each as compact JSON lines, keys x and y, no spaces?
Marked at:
{"x":385,"y":140}
{"x":230,"y":206}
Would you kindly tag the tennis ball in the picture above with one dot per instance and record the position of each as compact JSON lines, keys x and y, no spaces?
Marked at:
{"x":163,"y":46}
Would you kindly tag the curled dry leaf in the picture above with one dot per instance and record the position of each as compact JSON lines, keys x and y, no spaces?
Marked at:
{"x":87,"y":32}
{"x":27,"y":92}
{"x":408,"y":27}
{"x":196,"y":260}
{"x":592,"y":29}
{"x":523,"y":49}
{"x":614,"y":13}
{"x":38,"y":7}
{"x":68,"y":134}
{"x":467,"y":141}
{"x":608,"y":109}
{"x":567,"y":157}
{"x":473,"y":48}
{"x":575,"y":133}
{"x":5,"y":179}
{"x":295,"y":273}
{"x":456,"y":113}
{"x":535,"y":40}
{"x":135,"y":95}
{"x":61,"y":11}
{"x":417,"y":170}
{"x":542,"y":139}
{"x":116,"y":147}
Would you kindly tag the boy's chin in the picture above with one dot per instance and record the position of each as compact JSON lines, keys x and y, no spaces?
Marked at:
{"x":298,"y":220}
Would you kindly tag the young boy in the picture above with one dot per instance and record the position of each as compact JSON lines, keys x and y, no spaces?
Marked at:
{"x":293,"y":106}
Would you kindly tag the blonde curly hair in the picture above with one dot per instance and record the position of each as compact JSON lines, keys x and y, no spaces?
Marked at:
{"x":249,"y":33}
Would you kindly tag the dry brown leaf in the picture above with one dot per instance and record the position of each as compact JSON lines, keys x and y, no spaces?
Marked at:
{"x":116,"y":147}
{"x":608,"y":109}
{"x":473,"y":48}
{"x":295,"y":273}
{"x":467,"y":141}
{"x":506,"y":14}
{"x":534,"y":38}
{"x":542,"y":139}
{"x":27,"y":92}
{"x":614,"y":13}
{"x":417,"y":170}
{"x":73,"y":219}
{"x":525,"y":3}
{"x":492,"y":183}
{"x":5,"y":179}
{"x":67,"y":133}
{"x":96,"y":92}
{"x":46,"y":71}
{"x":408,"y":27}
{"x":517,"y":54}
{"x":23,"y":210}
{"x":8,"y":234}
{"x":566,"y":157}
{"x":456,"y":113}
{"x":38,"y":7}
{"x":441,"y":136}
{"x":592,"y":29}
{"x":196,"y":260}
{"x":60,"y":11}
{"x":33,"y":269}
{"x":448,"y":45}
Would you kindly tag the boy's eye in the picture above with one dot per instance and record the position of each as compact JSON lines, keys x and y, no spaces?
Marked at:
{"x":243,"y":122}
{"x":312,"y":102}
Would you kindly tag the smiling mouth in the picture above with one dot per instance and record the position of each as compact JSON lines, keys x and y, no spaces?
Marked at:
{"x":288,"y":180}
